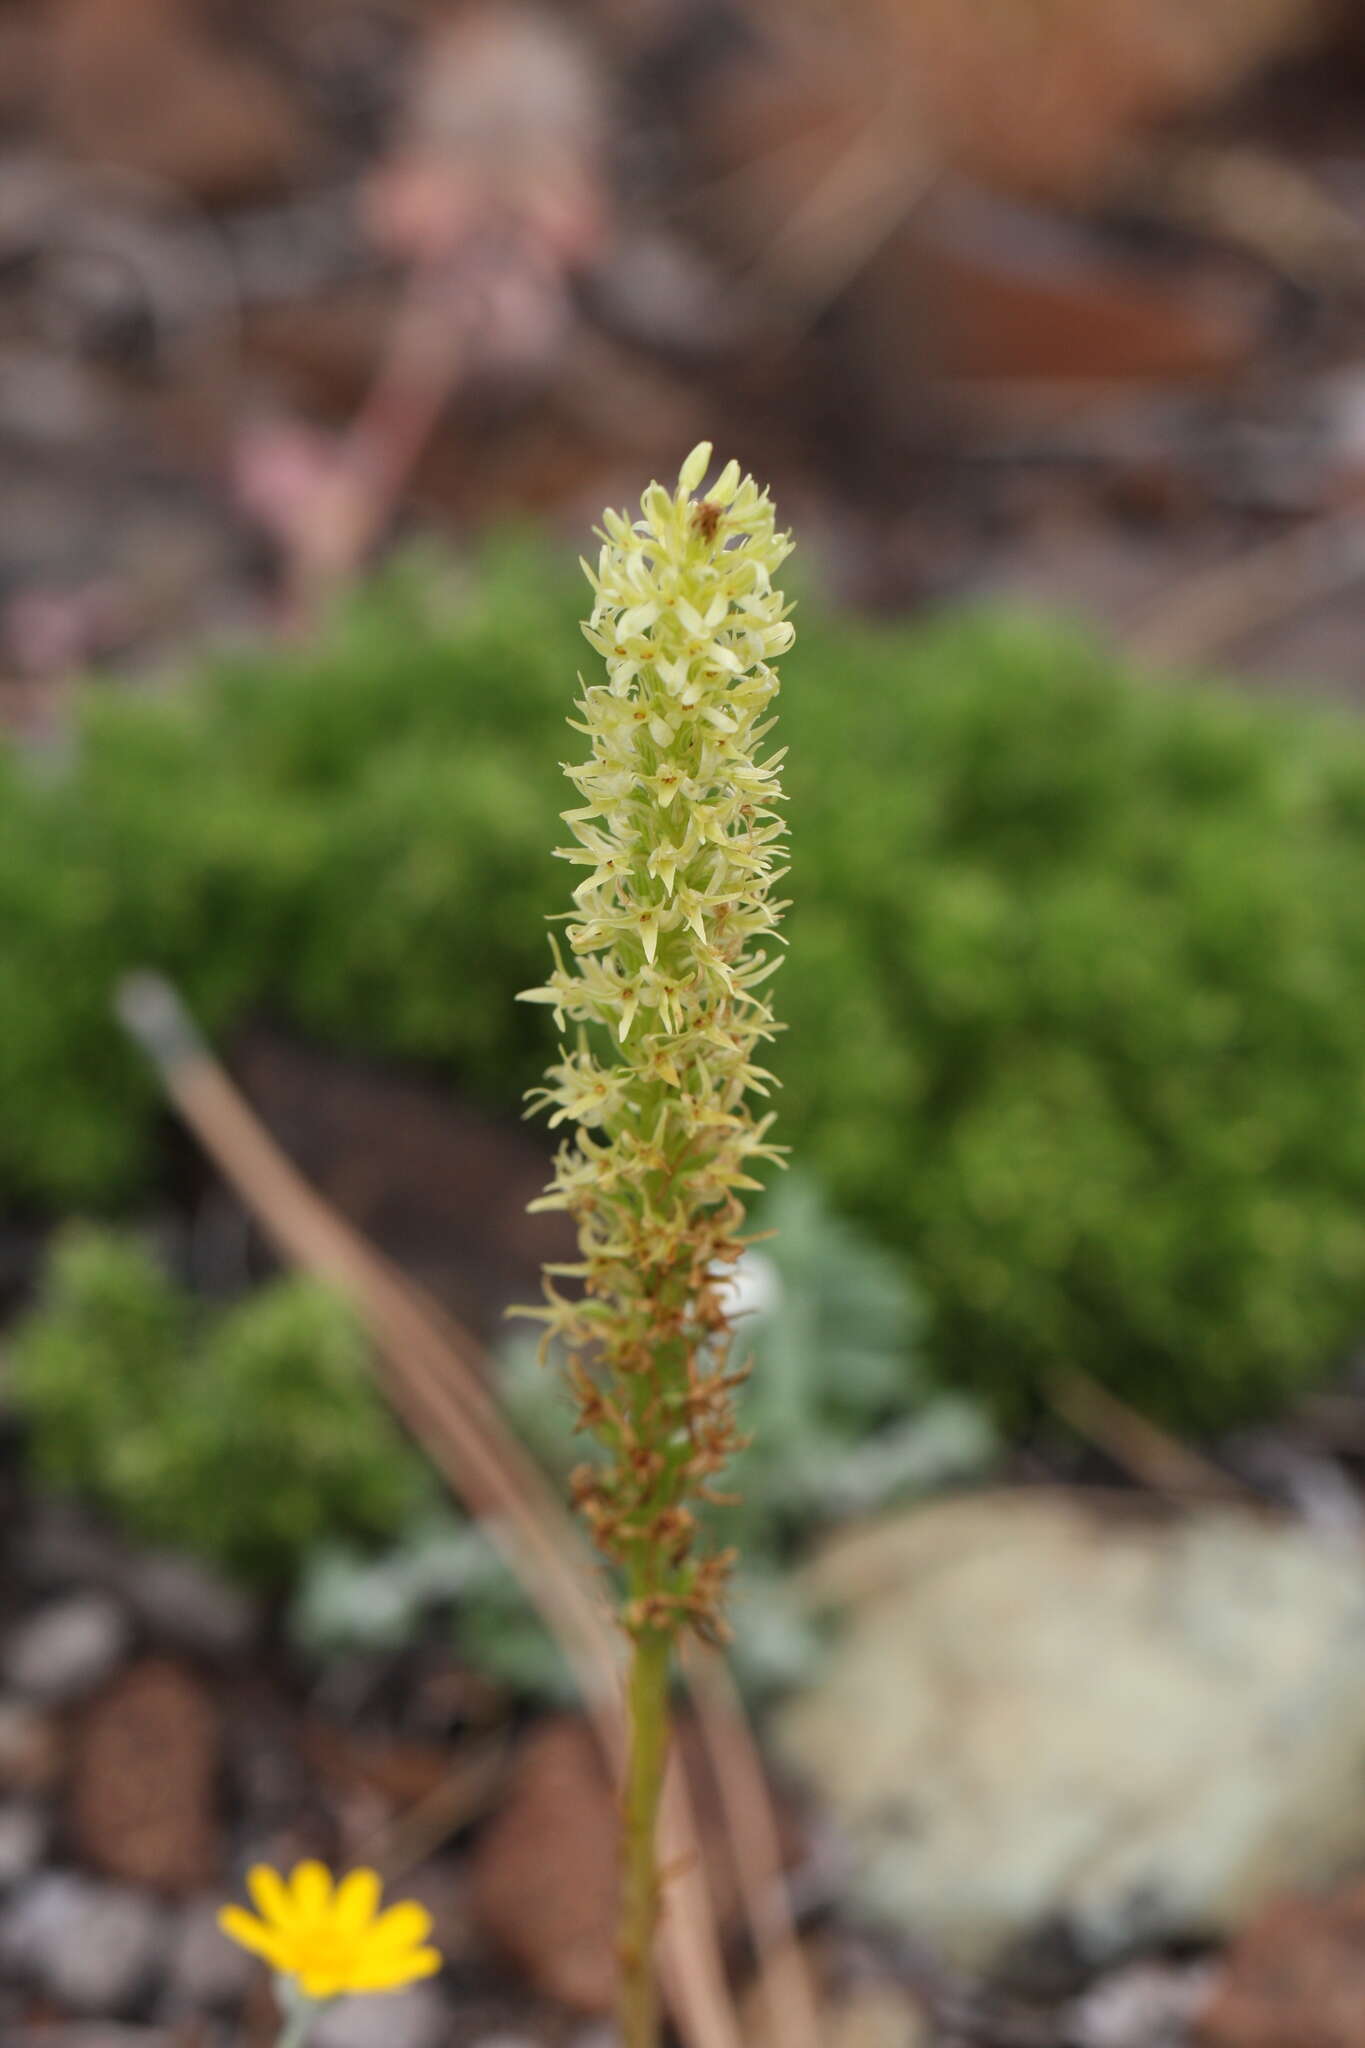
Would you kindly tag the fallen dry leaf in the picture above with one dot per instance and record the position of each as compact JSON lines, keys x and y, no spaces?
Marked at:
{"x":144,"y":1779}
{"x":150,"y":86}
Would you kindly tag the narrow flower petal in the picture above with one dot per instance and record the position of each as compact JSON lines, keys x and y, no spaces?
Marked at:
{"x":694,"y":468}
{"x":270,"y":1893}
{"x":250,"y":1933}
{"x":310,"y":1891}
{"x":356,"y":1902}
{"x":401,"y":1927}
{"x":381,"y":1974}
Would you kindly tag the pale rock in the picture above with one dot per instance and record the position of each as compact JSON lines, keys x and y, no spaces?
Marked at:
{"x":1147,"y":2005}
{"x":65,"y":1650}
{"x":180,"y":1601}
{"x":185,"y":1605}
{"x":94,"y":1948}
{"x":114,"y":1953}
{"x":24,"y":1832}
{"x":1041,"y":1715}
{"x":416,"y":2018}
{"x":32,"y":1749}
{"x":37,"y":1921}
{"x":875,"y":2016}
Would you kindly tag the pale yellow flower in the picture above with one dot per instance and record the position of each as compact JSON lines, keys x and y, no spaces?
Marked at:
{"x":332,"y":1939}
{"x":659,"y":989}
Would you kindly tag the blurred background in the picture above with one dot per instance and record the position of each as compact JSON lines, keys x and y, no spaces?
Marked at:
{"x":327,"y":328}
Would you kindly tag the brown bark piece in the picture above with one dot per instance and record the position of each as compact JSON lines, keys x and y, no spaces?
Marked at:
{"x":545,"y":1873}
{"x":544,"y":1884}
{"x":148,"y":86}
{"x":143,"y":1782}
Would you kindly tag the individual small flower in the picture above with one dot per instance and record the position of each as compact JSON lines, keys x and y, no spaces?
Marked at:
{"x":331,"y":1940}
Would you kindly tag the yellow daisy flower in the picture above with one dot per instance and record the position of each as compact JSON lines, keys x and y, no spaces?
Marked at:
{"x":332,"y":1939}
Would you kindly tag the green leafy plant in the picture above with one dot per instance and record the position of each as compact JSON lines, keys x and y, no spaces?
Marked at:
{"x":1076,"y":962}
{"x":249,"y":1436}
{"x":839,"y":1414}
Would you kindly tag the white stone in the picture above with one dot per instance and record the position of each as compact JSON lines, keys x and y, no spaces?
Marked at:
{"x":182,"y":1603}
{"x":66,"y":1649}
{"x":24,"y":1832}
{"x":875,"y":2016}
{"x":416,"y":2018}
{"x":1041,"y":1714}
{"x":1147,"y":2005}
{"x":95,"y":1948}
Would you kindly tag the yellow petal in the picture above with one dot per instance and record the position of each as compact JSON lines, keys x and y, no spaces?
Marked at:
{"x":323,"y":1984}
{"x":310,"y":1889}
{"x":356,"y":1902}
{"x":391,"y":1973}
{"x":401,"y":1927}
{"x":250,"y":1933}
{"x":268,"y":1889}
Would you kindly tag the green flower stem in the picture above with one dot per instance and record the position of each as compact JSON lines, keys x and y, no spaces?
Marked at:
{"x":647,"y":1709}
{"x":300,"y":2013}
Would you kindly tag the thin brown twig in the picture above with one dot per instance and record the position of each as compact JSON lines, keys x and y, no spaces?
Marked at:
{"x":1214,"y":610}
{"x":1251,"y":199}
{"x":784,"y":1987}
{"x":434,"y":1379}
{"x":833,"y":232}
{"x":1138,"y":1446}
{"x":467,"y":1790}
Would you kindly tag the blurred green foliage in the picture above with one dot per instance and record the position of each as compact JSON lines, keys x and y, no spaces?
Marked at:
{"x":253,"y":1435}
{"x":249,"y":1436}
{"x":1076,"y":964}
